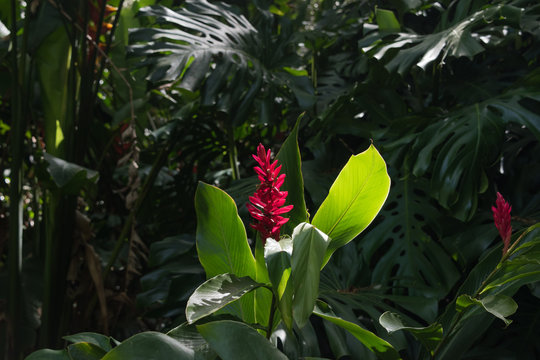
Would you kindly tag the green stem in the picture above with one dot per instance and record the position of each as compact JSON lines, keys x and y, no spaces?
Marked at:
{"x":271,"y":317}
{"x":479,"y":290}
{"x":233,"y":156}
{"x":15,"y":205}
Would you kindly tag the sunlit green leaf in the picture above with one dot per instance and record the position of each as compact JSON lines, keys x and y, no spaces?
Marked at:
{"x":309,"y":246}
{"x":222,"y":241}
{"x":354,"y":200}
{"x":290,"y":161}
{"x":498,"y":305}
{"x":278,"y":260}
{"x":216,"y":293}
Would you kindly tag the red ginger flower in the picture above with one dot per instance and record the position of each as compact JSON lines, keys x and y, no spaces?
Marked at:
{"x":501,"y":215}
{"x":267,"y":202}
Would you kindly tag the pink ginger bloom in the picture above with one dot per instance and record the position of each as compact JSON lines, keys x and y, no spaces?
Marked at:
{"x":501,"y":215}
{"x":267,"y":202}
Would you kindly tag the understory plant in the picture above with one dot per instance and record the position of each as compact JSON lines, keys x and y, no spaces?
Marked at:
{"x":259,"y":301}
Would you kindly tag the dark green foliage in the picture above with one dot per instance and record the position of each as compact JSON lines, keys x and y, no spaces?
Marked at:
{"x":448,"y":92}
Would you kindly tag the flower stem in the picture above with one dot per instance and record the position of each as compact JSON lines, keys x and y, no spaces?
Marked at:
{"x":271,"y":318}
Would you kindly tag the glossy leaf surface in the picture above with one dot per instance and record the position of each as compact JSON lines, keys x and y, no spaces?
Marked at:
{"x":354,"y":199}
{"x":216,"y":293}
{"x":290,"y":161}
{"x":150,"y":346}
{"x":221,"y":237}
{"x":233,"y":340}
{"x":277,"y":256}
{"x":309,"y":247}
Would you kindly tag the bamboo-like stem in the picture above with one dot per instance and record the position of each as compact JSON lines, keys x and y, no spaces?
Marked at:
{"x":233,"y":156}
{"x":15,"y":194}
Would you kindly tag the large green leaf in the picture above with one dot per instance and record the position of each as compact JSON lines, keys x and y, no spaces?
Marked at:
{"x":430,"y":336}
{"x":150,"y":346}
{"x":48,"y":354}
{"x":309,"y":247}
{"x":354,"y":200}
{"x":277,"y":256}
{"x":233,"y":340}
{"x":212,"y":48}
{"x":68,"y":177}
{"x":53,"y":63}
{"x":403,"y":246}
{"x":85,"y":351}
{"x":169,"y":248}
{"x":221,"y":237}
{"x":188,"y":336}
{"x":100,"y":340}
{"x":458,"y":40}
{"x":290,"y":161}
{"x":382,"y":348}
{"x":216,"y":293}
{"x":222,"y":241}
{"x":466,"y":143}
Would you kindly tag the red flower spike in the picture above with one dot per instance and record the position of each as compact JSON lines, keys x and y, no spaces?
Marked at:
{"x":501,"y":216}
{"x":267,"y":202}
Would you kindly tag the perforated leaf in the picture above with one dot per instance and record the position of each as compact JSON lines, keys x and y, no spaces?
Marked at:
{"x":456,"y":40}
{"x":411,"y":256}
{"x":213,"y":48}
{"x":457,"y":149}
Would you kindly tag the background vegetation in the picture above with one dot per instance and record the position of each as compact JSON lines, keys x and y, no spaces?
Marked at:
{"x":111,"y":111}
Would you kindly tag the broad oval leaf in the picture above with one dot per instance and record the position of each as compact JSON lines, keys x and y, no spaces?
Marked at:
{"x":290,"y":161}
{"x":48,"y":354}
{"x":150,"y":345}
{"x":237,"y":341}
{"x":222,"y":242}
{"x":68,"y":177}
{"x":354,"y":199}
{"x":221,"y":237}
{"x":430,"y":336}
{"x":382,"y":348}
{"x":85,"y":351}
{"x":309,"y":247}
{"x":188,"y":336}
{"x":100,"y":340}
{"x":277,"y":256}
{"x":216,"y":293}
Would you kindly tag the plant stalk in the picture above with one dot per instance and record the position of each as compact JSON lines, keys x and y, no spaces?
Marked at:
{"x":15,"y":205}
{"x":479,"y":290}
{"x":233,"y":153}
{"x":271,"y":317}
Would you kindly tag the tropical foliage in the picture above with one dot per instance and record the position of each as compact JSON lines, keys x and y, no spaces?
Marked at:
{"x":127,"y":132}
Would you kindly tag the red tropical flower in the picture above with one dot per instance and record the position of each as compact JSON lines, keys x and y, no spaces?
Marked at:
{"x":267,"y":202}
{"x":501,"y":215}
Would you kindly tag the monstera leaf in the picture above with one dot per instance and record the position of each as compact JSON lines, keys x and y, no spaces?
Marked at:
{"x":458,"y":150}
{"x":458,"y":39}
{"x":212,"y":48}
{"x":404,"y":236}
